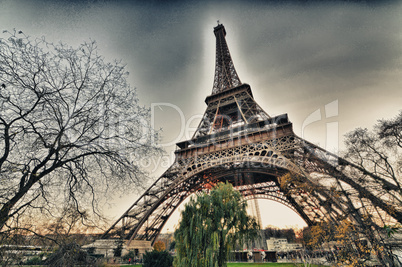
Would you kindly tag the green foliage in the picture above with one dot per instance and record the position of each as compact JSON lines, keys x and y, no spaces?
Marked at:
{"x":157,"y":258}
{"x":68,"y":255}
{"x":391,"y":230}
{"x":211,"y":226}
{"x":117,"y":251}
{"x":289,"y":234}
{"x":91,"y":250}
{"x":34,"y":261}
{"x":172,"y":245}
{"x":247,"y":264}
{"x":129,"y":255}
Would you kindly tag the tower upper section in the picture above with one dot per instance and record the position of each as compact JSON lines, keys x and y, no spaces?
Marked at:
{"x":225,"y":72}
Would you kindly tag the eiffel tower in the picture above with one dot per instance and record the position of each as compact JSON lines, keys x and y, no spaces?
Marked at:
{"x":238,"y":142}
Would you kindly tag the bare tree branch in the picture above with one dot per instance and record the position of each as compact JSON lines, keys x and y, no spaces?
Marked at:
{"x":69,"y":118}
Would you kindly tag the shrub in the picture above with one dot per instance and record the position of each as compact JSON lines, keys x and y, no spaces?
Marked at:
{"x":34,"y":261}
{"x":129,"y":255}
{"x":157,"y":258}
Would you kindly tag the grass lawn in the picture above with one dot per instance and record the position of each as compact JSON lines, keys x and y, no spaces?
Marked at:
{"x":266,"y":264}
{"x":252,"y":264}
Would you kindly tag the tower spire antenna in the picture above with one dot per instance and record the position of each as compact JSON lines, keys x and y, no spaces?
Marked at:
{"x":225,"y":73}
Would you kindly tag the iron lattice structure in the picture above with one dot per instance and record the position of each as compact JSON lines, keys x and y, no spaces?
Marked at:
{"x":237,"y":141}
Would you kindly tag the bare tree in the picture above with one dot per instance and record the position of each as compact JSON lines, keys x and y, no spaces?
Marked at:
{"x":379,"y":152}
{"x":358,"y":232}
{"x":70,"y":126}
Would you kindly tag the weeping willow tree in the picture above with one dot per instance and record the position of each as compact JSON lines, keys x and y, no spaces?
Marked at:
{"x":211,"y":226}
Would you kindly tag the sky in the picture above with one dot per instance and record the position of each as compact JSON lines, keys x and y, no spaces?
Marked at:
{"x":332,"y":66}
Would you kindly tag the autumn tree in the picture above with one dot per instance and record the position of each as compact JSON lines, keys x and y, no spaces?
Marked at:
{"x":345,"y":247}
{"x":159,"y":246}
{"x":379,"y":151}
{"x":211,"y":225}
{"x":71,"y":127}
{"x":347,"y":229}
{"x":358,"y":236}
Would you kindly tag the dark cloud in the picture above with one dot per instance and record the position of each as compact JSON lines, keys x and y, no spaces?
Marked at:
{"x":321,"y":50}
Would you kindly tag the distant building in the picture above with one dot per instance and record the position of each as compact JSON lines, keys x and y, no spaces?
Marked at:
{"x":17,"y":254}
{"x":106,"y":247}
{"x":281,"y":244}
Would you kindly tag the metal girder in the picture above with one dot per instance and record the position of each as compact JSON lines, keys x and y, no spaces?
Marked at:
{"x":236,"y":107}
{"x":225,"y":74}
{"x":145,"y":219}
